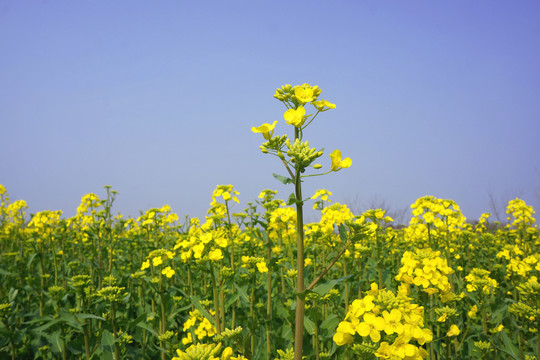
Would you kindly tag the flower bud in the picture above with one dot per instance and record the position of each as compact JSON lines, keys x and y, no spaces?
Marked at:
{"x":317,"y":166}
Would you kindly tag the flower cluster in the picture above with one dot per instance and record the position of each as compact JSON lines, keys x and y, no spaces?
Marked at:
{"x":433,"y":217}
{"x":479,"y":279}
{"x":381,"y":315}
{"x":332,"y":216}
{"x":520,"y":214}
{"x":157,"y":258}
{"x":201,"y":325}
{"x":425,"y":268}
{"x":250,"y":262}
{"x":527,"y":309}
{"x":324,"y":195}
{"x":300,"y":154}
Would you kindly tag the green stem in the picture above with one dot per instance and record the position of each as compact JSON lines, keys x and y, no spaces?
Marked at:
{"x":216,"y":300}
{"x":11,"y":344}
{"x":115,"y":333}
{"x":300,"y":300}
{"x":252,"y":312}
{"x":86,"y":339}
{"x":268,"y":301}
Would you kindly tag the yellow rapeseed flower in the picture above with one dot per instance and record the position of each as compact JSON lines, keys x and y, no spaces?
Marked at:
{"x":337,"y":163}
{"x":261,"y":266}
{"x":371,"y":326}
{"x":215,"y":255}
{"x":304,"y":94}
{"x":454,"y":331}
{"x":157,"y":261}
{"x":323,"y":105}
{"x":168,"y":272}
{"x":295,"y":117}
{"x":266,"y":129}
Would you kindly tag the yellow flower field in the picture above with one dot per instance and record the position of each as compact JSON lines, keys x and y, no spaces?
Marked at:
{"x":262,"y":283}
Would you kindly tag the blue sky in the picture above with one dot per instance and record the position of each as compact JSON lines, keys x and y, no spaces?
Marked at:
{"x":157,"y":98}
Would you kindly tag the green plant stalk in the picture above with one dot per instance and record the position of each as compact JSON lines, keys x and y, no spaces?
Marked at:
{"x":86,"y":340}
{"x":11,"y":344}
{"x":53,"y":248}
{"x":99,"y":261}
{"x":379,"y":259}
{"x":163,"y":322}
{"x":41,"y":292}
{"x":268,"y":302}
{"x":431,"y":319}
{"x":336,"y":258}
{"x":115,"y":333}
{"x":108,"y":206}
{"x":222,"y":306}
{"x":484,"y":319}
{"x":300,"y":300}
{"x":346,"y":286}
{"x":252,"y":310}
{"x":62,"y":329}
{"x":64,"y":350}
{"x":216,"y":300}
{"x":538,"y":345}
{"x":85,"y":324}
{"x":229,"y":225}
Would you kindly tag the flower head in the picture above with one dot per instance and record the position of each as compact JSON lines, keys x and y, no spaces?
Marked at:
{"x":305,"y":93}
{"x":454,"y":331}
{"x":266,"y":129}
{"x":337,"y":163}
{"x":323,"y":105}
{"x":295,"y":117}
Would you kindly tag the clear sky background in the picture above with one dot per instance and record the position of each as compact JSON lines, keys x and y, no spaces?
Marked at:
{"x":157,"y":99}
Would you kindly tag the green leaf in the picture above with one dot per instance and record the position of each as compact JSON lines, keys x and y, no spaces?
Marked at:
{"x":283,"y":179}
{"x":47,"y":325}
{"x":7,"y":273}
{"x":107,"y":339}
{"x":12,"y":294}
{"x":89,"y":316}
{"x":509,"y":346}
{"x":231,"y":300}
{"x":148,"y":328}
{"x":243,"y":294}
{"x":330,"y":323}
{"x":327,"y":286}
{"x":139,"y":319}
{"x":323,"y":289}
{"x":292,"y":199}
{"x":56,"y":343}
{"x":309,"y":325}
{"x":197,"y":303}
{"x":343,"y":233}
{"x":107,"y":343}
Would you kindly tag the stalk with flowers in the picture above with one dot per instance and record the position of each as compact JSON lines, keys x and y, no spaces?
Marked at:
{"x":297,"y":157}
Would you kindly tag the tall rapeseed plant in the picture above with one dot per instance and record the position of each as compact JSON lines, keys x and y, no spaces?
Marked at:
{"x":297,"y":156}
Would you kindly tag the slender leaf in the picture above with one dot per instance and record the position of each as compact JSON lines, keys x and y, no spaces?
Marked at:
{"x":283,"y":179}
{"x":292,"y":199}
{"x":195,"y":300}
{"x":243,"y":294}
{"x":148,"y":328}
{"x":509,"y":347}
{"x":309,"y":325}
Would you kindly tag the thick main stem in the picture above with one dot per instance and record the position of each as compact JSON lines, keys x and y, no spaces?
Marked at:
{"x":300,"y":301}
{"x":268,"y":301}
